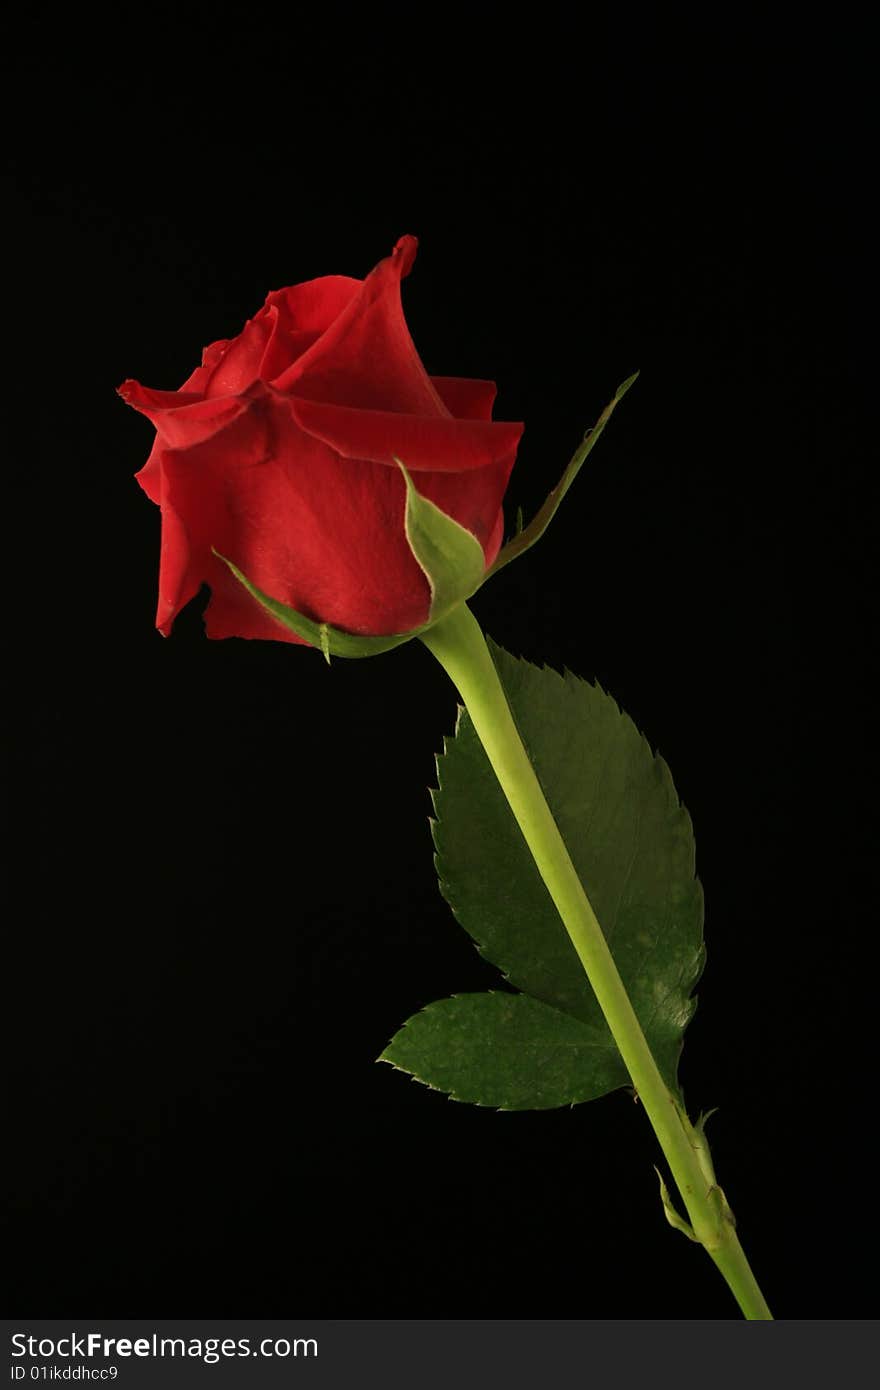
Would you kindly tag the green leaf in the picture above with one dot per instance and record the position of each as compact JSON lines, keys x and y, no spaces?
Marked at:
{"x":507,"y":1051}
{"x":450,"y":556}
{"x":523,"y":540}
{"x":629,"y":838}
{"x":332,"y":641}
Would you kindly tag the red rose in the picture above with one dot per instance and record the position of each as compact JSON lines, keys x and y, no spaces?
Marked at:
{"x":278,"y":452}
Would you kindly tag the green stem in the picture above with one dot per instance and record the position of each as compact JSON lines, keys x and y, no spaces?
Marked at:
{"x":458,"y":644}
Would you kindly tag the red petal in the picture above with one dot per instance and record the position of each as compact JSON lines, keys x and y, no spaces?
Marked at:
{"x":179,"y":581}
{"x":466,"y":397}
{"x":180,"y":417}
{"x":423,"y":442}
{"x":299,"y":315}
{"x":367,"y":357}
{"x":309,"y":528}
{"x":211,"y":355}
{"x":239,"y":366}
{"x":312,"y":306}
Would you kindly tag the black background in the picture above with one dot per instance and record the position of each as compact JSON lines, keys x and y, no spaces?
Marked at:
{"x":223,"y":898}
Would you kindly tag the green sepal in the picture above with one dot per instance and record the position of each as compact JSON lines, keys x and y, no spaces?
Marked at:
{"x":332,"y":641}
{"x":701,"y":1146}
{"x":525,"y":538}
{"x":677,"y":1222}
{"x":450,"y":557}
{"x":507,"y":1051}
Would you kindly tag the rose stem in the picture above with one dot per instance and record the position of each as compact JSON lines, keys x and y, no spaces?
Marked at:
{"x":459,"y":645}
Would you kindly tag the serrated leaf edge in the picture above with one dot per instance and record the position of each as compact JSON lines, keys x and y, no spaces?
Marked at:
{"x":482,"y":1105}
{"x":572,"y":681}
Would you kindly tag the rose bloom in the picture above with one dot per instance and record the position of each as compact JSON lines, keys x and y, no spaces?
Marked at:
{"x":278,"y":452}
